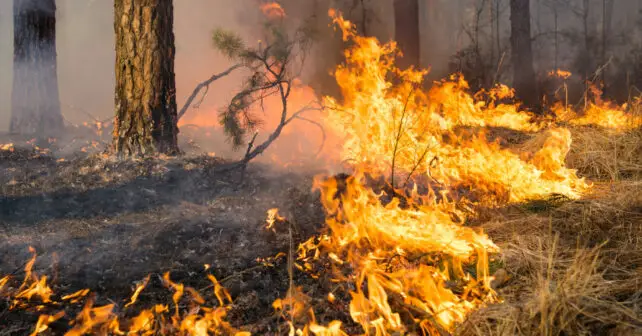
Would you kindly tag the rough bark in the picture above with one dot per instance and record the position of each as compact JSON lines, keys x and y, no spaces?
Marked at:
{"x":145,"y":100}
{"x":407,"y":32}
{"x":524,"y":80}
{"x":35,"y":102}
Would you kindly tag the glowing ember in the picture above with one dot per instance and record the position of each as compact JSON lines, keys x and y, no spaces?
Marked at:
{"x":7,"y":147}
{"x":559,"y":73}
{"x":273,"y":216}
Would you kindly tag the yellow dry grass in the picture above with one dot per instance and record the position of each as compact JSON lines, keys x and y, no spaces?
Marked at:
{"x":601,"y":154}
{"x":573,"y":268}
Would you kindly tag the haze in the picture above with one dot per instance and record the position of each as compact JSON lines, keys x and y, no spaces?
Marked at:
{"x":86,"y":47}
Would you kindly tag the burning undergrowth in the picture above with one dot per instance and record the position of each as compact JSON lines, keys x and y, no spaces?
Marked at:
{"x":435,"y":215}
{"x":134,"y":220}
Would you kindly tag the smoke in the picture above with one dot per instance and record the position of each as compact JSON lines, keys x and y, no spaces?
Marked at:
{"x":85,"y":47}
{"x":85,"y":44}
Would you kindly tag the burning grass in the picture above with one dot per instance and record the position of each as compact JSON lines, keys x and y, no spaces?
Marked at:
{"x":107,"y":235}
{"x":566,"y":266}
{"x":438,"y":229}
{"x":573,"y":269}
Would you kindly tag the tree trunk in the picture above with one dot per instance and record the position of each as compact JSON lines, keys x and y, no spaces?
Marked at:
{"x":35,"y":102}
{"x":407,"y":32}
{"x":524,"y":80}
{"x":146,"y":112}
{"x":586,"y":59}
{"x":607,"y":16}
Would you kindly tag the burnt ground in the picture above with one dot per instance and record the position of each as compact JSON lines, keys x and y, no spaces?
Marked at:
{"x":105,"y":224}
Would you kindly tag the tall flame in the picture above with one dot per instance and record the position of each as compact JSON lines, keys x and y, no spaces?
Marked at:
{"x":406,"y":248}
{"x":398,"y":128}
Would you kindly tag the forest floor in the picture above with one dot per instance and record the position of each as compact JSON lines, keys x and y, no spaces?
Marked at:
{"x":566,"y":266}
{"x":105,"y":224}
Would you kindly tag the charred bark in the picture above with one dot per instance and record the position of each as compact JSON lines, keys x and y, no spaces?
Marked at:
{"x":35,"y":101}
{"x":407,"y":32}
{"x":524,"y":80}
{"x":145,"y":97}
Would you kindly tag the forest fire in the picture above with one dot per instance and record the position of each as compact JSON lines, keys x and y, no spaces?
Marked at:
{"x":396,"y":239}
{"x":602,"y":114}
{"x":104,"y":319}
{"x":399,"y":129}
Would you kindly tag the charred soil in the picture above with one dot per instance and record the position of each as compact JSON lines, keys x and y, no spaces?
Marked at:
{"x":104,"y":224}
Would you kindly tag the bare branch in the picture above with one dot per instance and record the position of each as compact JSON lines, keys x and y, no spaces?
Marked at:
{"x":205,"y":85}
{"x":306,"y":108}
{"x":323,"y":135}
{"x":399,"y":135}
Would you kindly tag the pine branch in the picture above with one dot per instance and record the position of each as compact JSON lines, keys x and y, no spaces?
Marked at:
{"x":273,"y":75}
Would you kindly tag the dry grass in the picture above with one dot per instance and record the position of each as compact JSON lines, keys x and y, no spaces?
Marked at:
{"x":575,"y":269}
{"x":604,"y":155}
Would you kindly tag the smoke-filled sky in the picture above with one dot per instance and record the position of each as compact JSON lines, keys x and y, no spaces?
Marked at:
{"x":85,"y":41}
{"x":85,"y":44}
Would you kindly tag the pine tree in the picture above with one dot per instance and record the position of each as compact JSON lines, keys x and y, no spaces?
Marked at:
{"x":146,"y":111}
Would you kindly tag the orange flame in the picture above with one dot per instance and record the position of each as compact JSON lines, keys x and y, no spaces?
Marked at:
{"x":272,"y":217}
{"x":7,"y":147}
{"x":272,"y":10}
{"x":382,"y":121}
{"x":44,"y":321}
{"x":601,"y":114}
{"x":197,"y":320}
{"x":139,"y":288}
{"x":559,"y":73}
{"x":402,"y":247}
{"x":394,"y":128}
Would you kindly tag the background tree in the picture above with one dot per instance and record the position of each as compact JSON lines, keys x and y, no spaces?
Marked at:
{"x":35,"y":102}
{"x":407,"y":31}
{"x":524,"y":80}
{"x":146,"y":120}
{"x":607,"y":16}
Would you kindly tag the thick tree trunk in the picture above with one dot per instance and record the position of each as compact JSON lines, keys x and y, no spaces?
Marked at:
{"x":35,"y":102}
{"x":524,"y":80}
{"x":145,"y":120}
{"x":407,"y":31}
